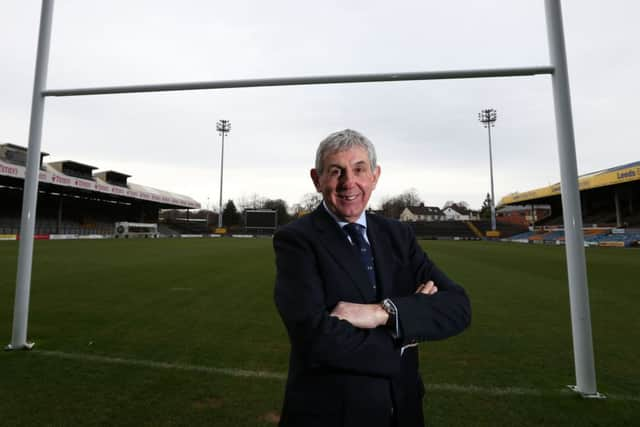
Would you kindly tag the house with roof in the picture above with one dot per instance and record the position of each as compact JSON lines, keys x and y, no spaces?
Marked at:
{"x":421,"y":213}
{"x":456,"y":212}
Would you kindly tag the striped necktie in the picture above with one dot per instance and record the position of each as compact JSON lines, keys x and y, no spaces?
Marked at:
{"x":355,"y":232}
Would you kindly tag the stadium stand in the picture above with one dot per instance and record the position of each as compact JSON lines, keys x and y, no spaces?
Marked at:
{"x":167,"y":231}
{"x":610,"y":201}
{"x":615,"y":237}
{"x":73,"y":200}
{"x":522,"y":237}
{"x":466,"y":230}
{"x":189,"y":227}
{"x":609,"y":198}
{"x":592,"y":237}
{"x":553,"y":236}
{"x":506,"y":229}
{"x":522,"y":214}
{"x":553,"y":220}
{"x":442,"y":230}
{"x":475,"y":230}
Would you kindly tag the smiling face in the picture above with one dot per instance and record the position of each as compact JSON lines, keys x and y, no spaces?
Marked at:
{"x":346,"y":182}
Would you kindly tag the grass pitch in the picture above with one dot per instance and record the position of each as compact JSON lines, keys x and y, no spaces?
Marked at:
{"x":165,"y":332}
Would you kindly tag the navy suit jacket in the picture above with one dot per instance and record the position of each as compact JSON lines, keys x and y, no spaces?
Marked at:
{"x":340,"y":375}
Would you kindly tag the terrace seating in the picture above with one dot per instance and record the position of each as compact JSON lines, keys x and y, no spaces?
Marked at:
{"x":9,"y":224}
{"x":630,"y":237}
{"x":506,"y":229}
{"x":592,"y":237}
{"x":633,"y":220}
{"x":188,"y":227}
{"x":522,"y":236}
{"x":553,"y":236}
{"x":442,"y":230}
{"x":550,"y":221}
{"x":602,"y":219}
{"x":166,"y":230}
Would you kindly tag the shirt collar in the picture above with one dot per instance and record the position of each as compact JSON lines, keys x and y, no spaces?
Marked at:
{"x":362,"y":220}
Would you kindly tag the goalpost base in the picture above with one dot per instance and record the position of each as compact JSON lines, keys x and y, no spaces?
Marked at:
{"x":25,"y":346}
{"x":595,"y":395}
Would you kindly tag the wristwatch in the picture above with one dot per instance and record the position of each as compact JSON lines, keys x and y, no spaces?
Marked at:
{"x":390,"y":308}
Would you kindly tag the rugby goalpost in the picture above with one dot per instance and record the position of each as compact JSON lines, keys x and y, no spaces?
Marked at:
{"x":572,"y":212}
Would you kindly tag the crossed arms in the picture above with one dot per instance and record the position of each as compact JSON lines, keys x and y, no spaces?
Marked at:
{"x":369,"y":316}
{"x":344,"y":335}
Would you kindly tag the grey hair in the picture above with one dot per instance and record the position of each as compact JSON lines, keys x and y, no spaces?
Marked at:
{"x":344,"y":140}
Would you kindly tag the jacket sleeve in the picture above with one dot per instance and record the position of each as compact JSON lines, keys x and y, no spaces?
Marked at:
{"x":320,"y":340}
{"x":430,"y":317}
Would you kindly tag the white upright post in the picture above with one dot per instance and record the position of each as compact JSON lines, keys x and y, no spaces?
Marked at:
{"x":572,"y":212}
{"x":30,"y":190}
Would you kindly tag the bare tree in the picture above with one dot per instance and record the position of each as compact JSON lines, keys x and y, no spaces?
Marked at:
{"x":308,"y":203}
{"x":460,"y":204}
{"x":392,"y":207}
{"x":253,"y":201}
{"x":410,"y":197}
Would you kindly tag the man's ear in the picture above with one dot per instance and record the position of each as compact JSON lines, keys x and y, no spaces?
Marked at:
{"x":315,"y":177}
{"x":376,"y":175}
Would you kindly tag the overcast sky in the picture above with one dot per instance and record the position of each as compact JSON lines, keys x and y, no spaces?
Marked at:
{"x":426,"y":133}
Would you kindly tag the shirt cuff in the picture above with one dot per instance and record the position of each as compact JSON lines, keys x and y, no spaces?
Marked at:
{"x":404,"y":347}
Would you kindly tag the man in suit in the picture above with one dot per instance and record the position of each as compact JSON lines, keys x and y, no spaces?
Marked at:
{"x":356,"y":294}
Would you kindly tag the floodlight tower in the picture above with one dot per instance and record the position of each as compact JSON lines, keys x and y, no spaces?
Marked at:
{"x":488,"y":117}
{"x":223,"y":127}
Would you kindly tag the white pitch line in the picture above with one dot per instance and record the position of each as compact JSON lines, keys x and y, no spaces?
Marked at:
{"x":494,"y":391}
{"x":455,"y":388}
{"x":622,"y":397}
{"x":163,"y":365}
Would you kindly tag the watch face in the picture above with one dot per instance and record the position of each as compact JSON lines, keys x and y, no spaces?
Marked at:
{"x":388,"y":307}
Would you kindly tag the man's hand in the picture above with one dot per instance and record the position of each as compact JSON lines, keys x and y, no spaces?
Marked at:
{"x":428,"y":288}
{"x":364,"y":316}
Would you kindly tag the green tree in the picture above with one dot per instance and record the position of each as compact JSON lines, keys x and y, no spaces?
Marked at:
{"x":230,"y":214}
{"x":280,"y":206}
{"x":485,"y":211}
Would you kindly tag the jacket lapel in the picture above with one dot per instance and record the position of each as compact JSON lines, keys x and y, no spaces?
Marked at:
{"x":335,"y":240}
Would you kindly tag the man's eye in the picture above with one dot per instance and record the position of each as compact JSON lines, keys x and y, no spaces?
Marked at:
{"x":335,"y":172}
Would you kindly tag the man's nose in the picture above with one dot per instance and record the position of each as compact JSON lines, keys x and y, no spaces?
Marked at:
{"x":347,"y":179}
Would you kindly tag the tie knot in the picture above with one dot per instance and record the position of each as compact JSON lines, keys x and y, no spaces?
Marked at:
{"x":355,"y":232}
